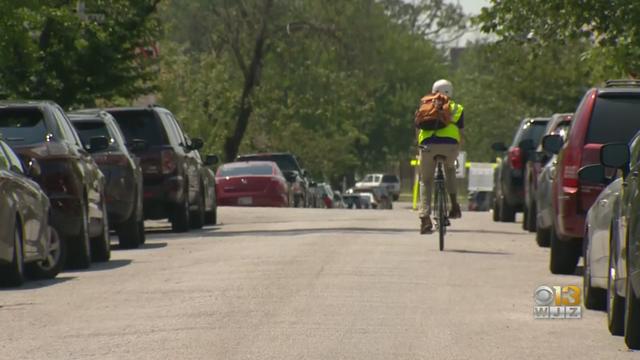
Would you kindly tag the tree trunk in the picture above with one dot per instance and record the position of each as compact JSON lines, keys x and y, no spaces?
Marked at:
{"x":232,"y":142}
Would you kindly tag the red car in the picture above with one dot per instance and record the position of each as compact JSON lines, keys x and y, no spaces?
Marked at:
{"x":251,"y":183}
{"x":605,"y":115}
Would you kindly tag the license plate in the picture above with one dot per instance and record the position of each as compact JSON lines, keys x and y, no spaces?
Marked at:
{"x":245,"y":200}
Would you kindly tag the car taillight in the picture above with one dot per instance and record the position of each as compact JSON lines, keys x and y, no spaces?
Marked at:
{"x":515,"y":157}
{"x":570,"y":176}
{"x":570,"y":166}
{"x":167,"y":162}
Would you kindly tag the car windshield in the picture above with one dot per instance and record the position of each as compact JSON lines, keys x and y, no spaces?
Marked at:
{"x":614,"y":119}
{"x":390,"y":179}
{"x":23,"y":126}
{"x":89,"y":129}
{"x":285,"y":162}
{"x":245,"y":170}
{"x":140,"y":124}
{"x":532,"y":130}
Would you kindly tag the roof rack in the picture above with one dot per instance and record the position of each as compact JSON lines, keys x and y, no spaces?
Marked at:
{"x":622,"y":83}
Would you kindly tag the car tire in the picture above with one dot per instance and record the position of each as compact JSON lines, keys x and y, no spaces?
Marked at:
{"x":495,"y":209}
{"x":631,"y":318}
{"x":52,"y":265}
{"x":196,"y":217}
{"x":564,"y":255}
{"x":129,"y":235}
{"x":80,"y":244}
{"x":211,"y":217}
{"x":615,"y":303}
{"x":13,"y":274}
{"x":180,"y":218}
{"x":594,"y":298}
{"x":532,"y":214}
{"x":507,"y":213}
{"x":543,"y":237}
{"x":525,"y":218}
{"x":101,"y":244}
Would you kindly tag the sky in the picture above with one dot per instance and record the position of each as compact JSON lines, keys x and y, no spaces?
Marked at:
{"x":471,"y":7}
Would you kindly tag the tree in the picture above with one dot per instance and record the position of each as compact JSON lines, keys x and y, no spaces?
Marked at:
{"x":75,"y":53}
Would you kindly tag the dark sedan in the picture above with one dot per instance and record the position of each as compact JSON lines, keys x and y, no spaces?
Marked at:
{"x":251,"y":183}
{"x":70,"y":177}
{"x":122,"y":173}
{"x":27,"y":243}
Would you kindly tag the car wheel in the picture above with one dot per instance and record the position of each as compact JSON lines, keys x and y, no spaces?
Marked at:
{"x":211,"y":217}
{"x":615,"y":302}
{"x":543,"y":237}
{"x":507,"y":214}
{"x":129,"y":235}
{"x":180,"y":218}
{"x":51,"y":266}
{"x":80,"y":246}
{"x":564,"y":255}
{"x":101,"y":245}
{"x":13,"y":273}
{"x":525,"y":218}
{"x":594,"y":298}
{"x":196,"y":218}
{"x":495,"y":209}
{"x":631,"y":318}
{"x":532,"y":214}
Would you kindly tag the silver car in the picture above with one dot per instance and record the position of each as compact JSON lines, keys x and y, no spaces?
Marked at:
{"x":544,"y":206}
{"x":596,"y":246}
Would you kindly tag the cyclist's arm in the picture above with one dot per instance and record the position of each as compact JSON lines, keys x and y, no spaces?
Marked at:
{"x":460,"y":125}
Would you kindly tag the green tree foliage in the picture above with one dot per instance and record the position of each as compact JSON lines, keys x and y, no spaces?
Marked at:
{"x":337,"y":82}
{"x":52,"y":50}
{"x":612,"y":26}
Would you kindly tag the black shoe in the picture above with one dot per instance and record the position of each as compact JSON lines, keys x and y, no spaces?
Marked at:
{"x":455,"y":212}
{"x":426,"y":227}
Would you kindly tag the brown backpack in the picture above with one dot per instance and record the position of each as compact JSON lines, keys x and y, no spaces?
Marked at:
{"x":434,"y":112}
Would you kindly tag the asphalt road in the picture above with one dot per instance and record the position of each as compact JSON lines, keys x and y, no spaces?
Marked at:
{"x":306,"y":284}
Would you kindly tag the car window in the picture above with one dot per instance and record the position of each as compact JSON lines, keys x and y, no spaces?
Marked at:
{"x":368,"y":178}
{"x":245,"y":170}
{"x":70,"y":135}
{"x":117,"y":136}
{"x":389,"y":179}
{"x":614,"y":119}
{"x":635,"y":151}
{"x":4,"y":160}
{"x":179,"y":130}
{"x":92,"y":128}
{"x":531,"y":130}
{"x":377,"y":178}
{"x":11,"y":156}
{"x":285,"y":162}
{"x":140,"y":124}
{"x":172,"y":132}
{"x":23,"y":125}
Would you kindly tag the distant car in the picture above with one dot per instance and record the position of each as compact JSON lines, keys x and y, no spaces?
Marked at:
{"x":508,"y":189}
{"x":605,"y":115}
{"x":325,"y":194}
{"x":171,"y":166}
{"x":251,"y":183}
{"x":352,"y":201}
{"x":559,"y":124}
{"x":338,"y":201}
{"x":292,"y":171}
{"x":390,"y":181}
{"x":28,"y":245}
{"x":122,"y":171}
{"x":69,"y":175}
{"x":367,"y":200}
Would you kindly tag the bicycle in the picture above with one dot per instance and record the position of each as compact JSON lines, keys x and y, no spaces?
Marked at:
{"x":441,"y":203}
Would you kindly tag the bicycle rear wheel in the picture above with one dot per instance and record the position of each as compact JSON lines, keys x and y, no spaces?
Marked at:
{"x":442,"y":220}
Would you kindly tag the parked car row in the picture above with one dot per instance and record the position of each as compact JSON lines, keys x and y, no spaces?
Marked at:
{"x":581,"y":198}
{"x":67,"y":180}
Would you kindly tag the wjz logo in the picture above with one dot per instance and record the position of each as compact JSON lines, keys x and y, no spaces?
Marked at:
{"x":557,"y":302}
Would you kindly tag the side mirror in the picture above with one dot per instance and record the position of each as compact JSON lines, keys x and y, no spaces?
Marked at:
{"x":552,"y":143}
{"x":33,"y":168}
{"x":196,"y":144}
{"x":98,"y":143}
{"x":304,"y":173}
{"x":526,"y":145}
{"x":592,"y":174}
{"x":615,"y":155}
{"x":499,"y":147}
{"x":211,"y":160}
{"x":137,"y":145}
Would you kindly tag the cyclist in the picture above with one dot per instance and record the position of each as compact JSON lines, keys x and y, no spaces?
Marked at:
{"x":445,"y":142}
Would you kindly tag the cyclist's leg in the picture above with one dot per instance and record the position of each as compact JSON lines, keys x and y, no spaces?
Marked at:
{"x":427,"y":169}
{"x":451,"y":152}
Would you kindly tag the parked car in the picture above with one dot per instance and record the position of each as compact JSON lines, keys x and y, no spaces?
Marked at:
{"x":604,"y":115}
{"x":295,"y":175}
{"x":559,"y":123}
{"x":367,"y":200}
{"x":172,"y":169}
{"x":508,"y":189}
{"x":325,"y":194}
{"x":251,"y":183}
{"x":390,"y":181}
{"x":352,"y":201}
{"x":122,"y":172}
{"x":28,"y":245}
{"x":69,"y":176}
{"x":544,"y":183}
{"x":623,"y":290}
{"x":209,"y":185}
{"x":338,"y":201}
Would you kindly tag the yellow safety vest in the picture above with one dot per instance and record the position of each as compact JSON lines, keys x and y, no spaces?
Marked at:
{"x":449,"y":131}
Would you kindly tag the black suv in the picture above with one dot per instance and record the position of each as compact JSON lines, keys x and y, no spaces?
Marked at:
{"x":508,"y":187}
{"x":172,"y":169}
{"x":295,"y":175}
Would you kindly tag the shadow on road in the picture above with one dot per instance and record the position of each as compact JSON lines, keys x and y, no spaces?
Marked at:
{"x":146,"y":246}
{"x":37,"y":284}
{"x":482,"y":231}
{"x":107,"y":265}
{"x":477,"y":252}
{"x":294,"y":232}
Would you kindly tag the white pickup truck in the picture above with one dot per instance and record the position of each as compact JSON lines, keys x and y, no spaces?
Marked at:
{"x":389,"y":181}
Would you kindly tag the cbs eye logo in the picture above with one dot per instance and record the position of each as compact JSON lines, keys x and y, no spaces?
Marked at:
{"x":557,"y":295}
